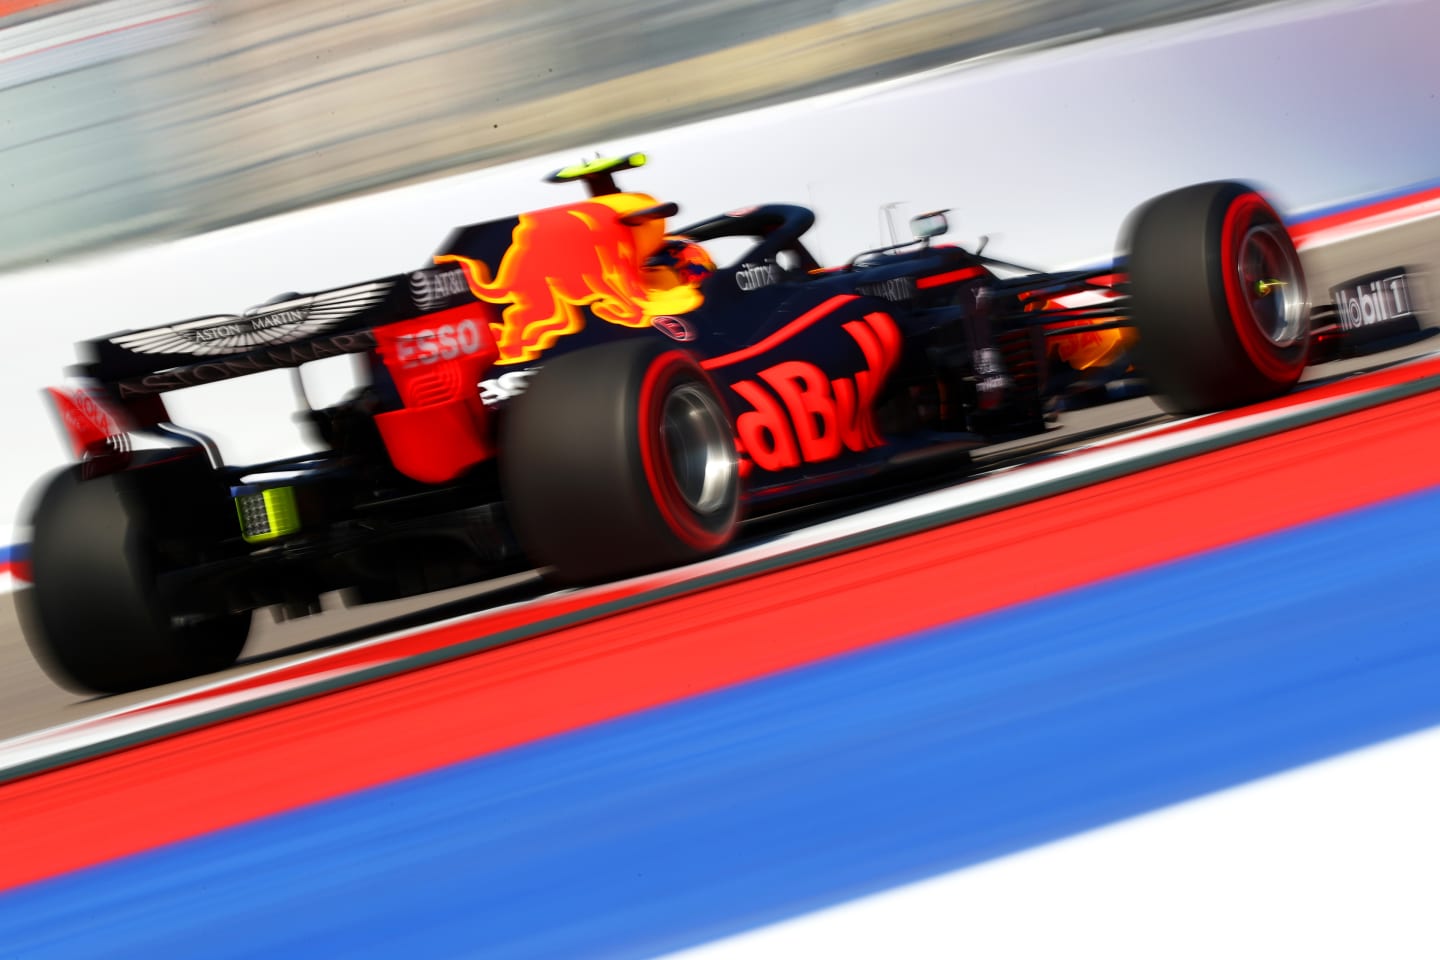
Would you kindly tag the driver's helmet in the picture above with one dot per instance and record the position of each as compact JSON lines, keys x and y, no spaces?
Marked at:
{"x":678,"y":261}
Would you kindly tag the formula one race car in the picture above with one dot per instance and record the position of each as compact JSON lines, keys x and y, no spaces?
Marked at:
{"x":583,"y":390}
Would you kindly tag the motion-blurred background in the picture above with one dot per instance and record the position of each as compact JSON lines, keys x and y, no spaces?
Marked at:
{"x":123,"y":120}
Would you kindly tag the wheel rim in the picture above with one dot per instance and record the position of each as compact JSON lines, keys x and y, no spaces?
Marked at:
{"x":1273,"y":285}
{"x":695,"y":435}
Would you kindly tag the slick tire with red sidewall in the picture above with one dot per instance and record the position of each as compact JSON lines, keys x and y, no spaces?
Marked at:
{"x":619,"y":459}
{"x":1218,"y":296}
{"x":94,"y":617}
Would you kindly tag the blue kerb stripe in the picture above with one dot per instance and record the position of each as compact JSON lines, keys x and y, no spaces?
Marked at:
{"x":773,"y":798}
{"x":1414,"y":188}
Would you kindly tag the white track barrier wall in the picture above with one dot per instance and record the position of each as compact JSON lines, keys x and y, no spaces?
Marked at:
{"x":1047,"y":152}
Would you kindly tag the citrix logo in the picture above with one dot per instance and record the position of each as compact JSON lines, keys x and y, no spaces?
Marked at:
{"x":753,"y":276}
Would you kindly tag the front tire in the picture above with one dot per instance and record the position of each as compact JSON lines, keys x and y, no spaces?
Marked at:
{"x":619,"y":459}
{"x":1218,"y":296}
{"x":94,"y":618}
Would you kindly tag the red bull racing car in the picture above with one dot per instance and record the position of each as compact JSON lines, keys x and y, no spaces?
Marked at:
{"x":588,"y":390}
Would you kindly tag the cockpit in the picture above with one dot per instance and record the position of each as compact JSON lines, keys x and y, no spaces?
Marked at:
{"x":768,"y":233}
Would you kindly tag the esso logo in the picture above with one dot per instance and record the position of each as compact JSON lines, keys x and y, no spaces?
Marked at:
{"x":445,"y":342}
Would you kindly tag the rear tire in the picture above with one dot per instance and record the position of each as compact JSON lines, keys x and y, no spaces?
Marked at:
{"x":1218,"y":296}
{"x":93,"y":617}
{"x":619,"y":459}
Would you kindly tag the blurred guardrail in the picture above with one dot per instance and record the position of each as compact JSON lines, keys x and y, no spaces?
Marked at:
{"x":123,"y":119}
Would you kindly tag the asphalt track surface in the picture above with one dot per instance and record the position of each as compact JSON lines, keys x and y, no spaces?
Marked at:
{"x":30,"y":701}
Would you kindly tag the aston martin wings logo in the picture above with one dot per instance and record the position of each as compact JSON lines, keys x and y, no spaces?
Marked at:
{"x":262,"y":326}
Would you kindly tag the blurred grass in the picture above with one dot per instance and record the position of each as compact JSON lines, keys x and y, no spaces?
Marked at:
{"x":271,"y":105}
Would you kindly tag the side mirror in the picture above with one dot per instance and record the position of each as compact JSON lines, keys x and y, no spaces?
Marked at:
{"x":928,"y":225}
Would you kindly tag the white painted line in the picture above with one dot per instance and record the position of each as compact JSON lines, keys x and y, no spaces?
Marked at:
{"x":1339,"y":859}
{"x":33,"y":747}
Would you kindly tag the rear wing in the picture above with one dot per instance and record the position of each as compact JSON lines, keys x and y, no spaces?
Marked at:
{"x":291,"y":330}
{"x":430,"y":333}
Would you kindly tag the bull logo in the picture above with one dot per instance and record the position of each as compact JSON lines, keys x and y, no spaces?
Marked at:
{"x":567,"y":258}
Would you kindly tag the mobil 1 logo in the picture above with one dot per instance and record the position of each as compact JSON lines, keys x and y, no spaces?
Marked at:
{"x":1375,"y":306}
